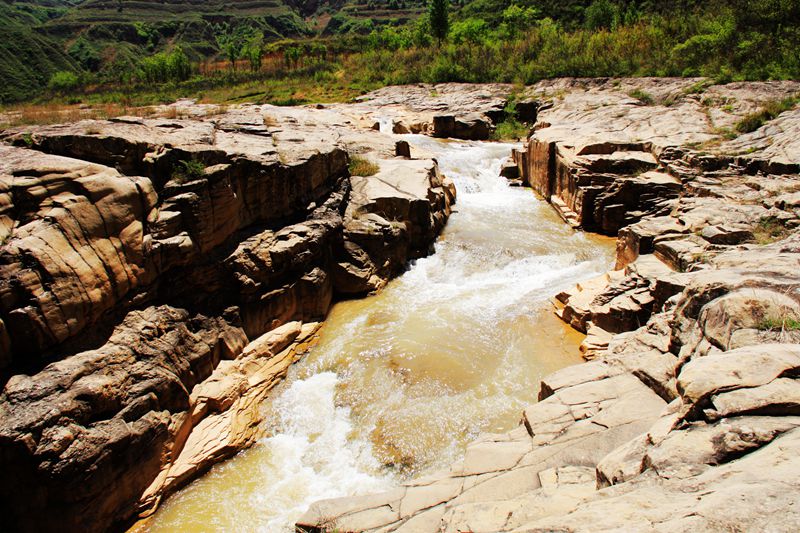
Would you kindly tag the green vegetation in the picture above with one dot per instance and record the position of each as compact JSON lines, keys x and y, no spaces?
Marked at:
{"x":601,"y":14}
{"x":188,"y":170}
{"x":644,"y":97}
{"x":753,"y":121}
{"x":165,"y":67}
{"x":438,"y":18}
{"x":63,"y":81}
{"x":769,"y":230}
{"x":28,"y":59}
{"x":510,"y":128}
{"x":784,"y":323}
{"x":271,"y":51}
{"x":698,"y":88}
{"x":360,"y":166}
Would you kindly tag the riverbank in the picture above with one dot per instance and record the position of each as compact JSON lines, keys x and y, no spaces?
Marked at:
{"x":160,"y":276}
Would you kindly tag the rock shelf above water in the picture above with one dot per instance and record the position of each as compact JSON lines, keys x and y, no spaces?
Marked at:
{"x":158,"y":276}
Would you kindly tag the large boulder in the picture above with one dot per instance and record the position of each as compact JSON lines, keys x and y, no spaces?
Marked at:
{"x":82,"y":439}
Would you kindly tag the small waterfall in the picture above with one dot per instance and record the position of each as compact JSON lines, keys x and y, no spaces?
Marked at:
{"x":385,"y":124}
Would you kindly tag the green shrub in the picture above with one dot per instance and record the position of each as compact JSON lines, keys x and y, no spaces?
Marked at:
{"x":600,"y":14}
{"x":438,"y":16}
{"x":474,"y":31}
{"x":517,"y":19}
{"x":165,"y":66}
{"x":769,"y":230}
{"x":771,"y":110}
{"x":85,"y":54}
{"x":188,"y":170}
{"x":783,"y":323}
{"x":644,"y":97}
{"x":510,"y":129}
{"x":63,"y":81}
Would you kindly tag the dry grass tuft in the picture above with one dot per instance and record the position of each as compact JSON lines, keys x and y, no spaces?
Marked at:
{"x":360,"y":166}
{"x":52,"y":113}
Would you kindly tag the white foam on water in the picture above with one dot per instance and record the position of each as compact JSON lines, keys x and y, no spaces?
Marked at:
{"x":385,"y":124}
{"x":312,"y":455}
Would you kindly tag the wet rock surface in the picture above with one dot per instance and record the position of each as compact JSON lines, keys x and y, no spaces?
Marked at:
{"x":686,"y":415}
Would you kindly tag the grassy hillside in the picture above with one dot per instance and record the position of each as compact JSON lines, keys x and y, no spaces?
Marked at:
{"x":288,"y":49}
{"x":105,"y":39}
{"x":27,"y":56}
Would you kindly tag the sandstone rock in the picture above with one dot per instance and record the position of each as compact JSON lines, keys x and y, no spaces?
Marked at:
{"x":509,"y":170}
{"x":689,"y":407}
{"x":618,"y":301}
{"x":752,"y":366}
{"x":401,"y":149}
{"x":80,"y":228}
{"x":709,"y":501}
{"x":400,"y":128}
{"x":527,"y":110}
{"x":392,"y":216}
{"x":102,"y":262}
{"x":743,"y":309}
{"x":473,"y":127}
{"x":507,"y":480}
{"x":725,"y":235}
{"x":81,"y":440}
{"x":224,"y":414}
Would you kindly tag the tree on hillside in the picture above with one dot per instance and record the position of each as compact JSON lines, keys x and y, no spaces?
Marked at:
{"x":438,"y":16}
{"x":253,"y":50}
{"x":233,"y":50}
{"x":600,"y":15}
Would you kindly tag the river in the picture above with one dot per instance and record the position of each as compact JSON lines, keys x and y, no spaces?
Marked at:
{"x":400,"y":382}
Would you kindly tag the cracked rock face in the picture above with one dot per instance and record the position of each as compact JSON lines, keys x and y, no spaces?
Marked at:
{"x":685,"y":417}
{"x":159,"y":276}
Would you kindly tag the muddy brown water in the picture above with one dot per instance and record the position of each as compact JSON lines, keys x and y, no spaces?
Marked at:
{"x":400,"y":382}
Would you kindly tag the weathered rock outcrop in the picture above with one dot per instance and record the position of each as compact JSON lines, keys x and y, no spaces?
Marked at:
{"x":389,"y":220}
{"x":158,"y":277}
{"x":85,"y":436}
{"x":686,"y":417}
{"x":606,"y":160}
{"x":457,"y":110}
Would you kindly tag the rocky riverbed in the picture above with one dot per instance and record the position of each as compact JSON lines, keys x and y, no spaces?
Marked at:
{"x":160,"y":275}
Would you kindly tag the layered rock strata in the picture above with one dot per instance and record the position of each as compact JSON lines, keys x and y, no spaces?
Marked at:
{"x":686,"y":415}
{"x":454,"y":110}
{"x":159,"y":276}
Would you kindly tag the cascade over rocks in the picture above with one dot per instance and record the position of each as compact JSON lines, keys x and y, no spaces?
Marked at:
{"x":687,"y":414}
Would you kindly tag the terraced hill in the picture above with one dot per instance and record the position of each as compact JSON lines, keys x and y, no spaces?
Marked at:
{"x":27,"y":57}
{"x":42,"y":37}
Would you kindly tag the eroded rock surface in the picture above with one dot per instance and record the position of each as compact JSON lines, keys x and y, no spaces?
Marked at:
{"x":457,"y":110}
{"x":686,"y":416}
{"x":159,"y":276}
